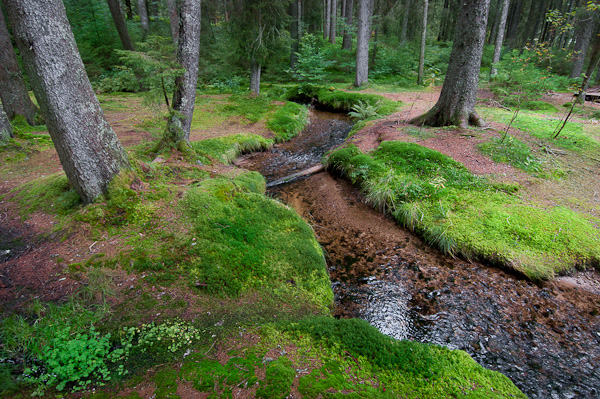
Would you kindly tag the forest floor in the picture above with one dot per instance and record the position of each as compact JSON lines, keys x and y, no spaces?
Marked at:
{"x":37,"y":265}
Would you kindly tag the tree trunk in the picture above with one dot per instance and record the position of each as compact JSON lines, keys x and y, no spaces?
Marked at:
{"x":375,"y":26}
{"x":513,"y":19}
{"x":145,"y":21}
{"x":188,"y":56}
{"x":255,"y":69}
{"x":173,"y":19}
{"x":586,"y":26}
{"x":594,"y":59}
{"x":499,"y":37}
{"x":119,"y":20}
{"x":5,"y":128}
{"x":493,"y":21}
{"x":347,"y":41}
{"x":442,"y":35}
{"x":333,"y":22}
{"x":294,"y":33}
{"x":88,"y":148}
{"x":128,"y":10}
{"x":362,"y":42}
{"x":456,"y":105}
{"x":327,"y":19}
{"x":423,"y":42}
{"x":13,"y":92}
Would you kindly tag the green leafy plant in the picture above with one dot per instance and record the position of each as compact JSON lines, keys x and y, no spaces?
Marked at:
{"x":311,"y":65}
{"x":364,"y":110}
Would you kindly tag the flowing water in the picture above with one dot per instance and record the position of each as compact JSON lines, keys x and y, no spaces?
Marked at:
{"x":545,"y":338}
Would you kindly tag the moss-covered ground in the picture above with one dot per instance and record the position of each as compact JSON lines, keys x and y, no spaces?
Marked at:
{"x":187,"y":276}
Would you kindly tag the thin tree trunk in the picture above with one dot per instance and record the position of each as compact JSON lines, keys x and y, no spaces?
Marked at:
{"x":333,"y":22}
{"x":5,"y":127}
{"x":294,"y":33}
{"x":347,"y":41}
{"x":173,"y":19}
{"x":493,"y":21}
{"x":585,"y":28}
{"x":362,"y":44}
{"x":326,"y":19}
{"x":513,"y":21}
{"x":499,"y":37}
{"x":145,"y":21}
{"x":442,"y":35}
{"x":423,"y":42}
{"x":119,"y":20}
{"x":255,"y":70}
{"x":188,"y":56}
{"x":594,"y":59}
{"x":375,"y":14}
{"x":88,"y":148}
{"x":456,"y":105}
{"x":13,"y":92}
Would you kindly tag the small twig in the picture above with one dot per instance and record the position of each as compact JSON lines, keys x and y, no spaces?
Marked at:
{"x":91,"y":246}
{"x":213,"y":344}
{"x":353,"y":358}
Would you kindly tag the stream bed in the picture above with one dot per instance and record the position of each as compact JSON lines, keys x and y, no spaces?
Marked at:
{"x":545,"y":338}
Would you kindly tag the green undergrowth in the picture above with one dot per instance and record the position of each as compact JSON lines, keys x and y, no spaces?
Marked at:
{"x":288,"y":121}
{"x":573,"y":137}
{"x":341,"y":101}
{"x":462,"y":214}
{"x":51,"y":194}
{"x":226,"y":149}
{"x":512,"y":151}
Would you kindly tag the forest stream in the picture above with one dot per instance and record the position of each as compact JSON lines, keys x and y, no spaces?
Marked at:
{"x":540,"y":336}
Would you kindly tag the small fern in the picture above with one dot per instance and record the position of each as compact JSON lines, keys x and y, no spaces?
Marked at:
{"x":364,"y":110}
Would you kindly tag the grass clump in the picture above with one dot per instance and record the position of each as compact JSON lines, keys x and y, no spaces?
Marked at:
{"x":51,"y":194}
{"x":227,"y":148}
{"x":460,"y":213}
{"x":512,"y":151}
{"x":288,"y":121}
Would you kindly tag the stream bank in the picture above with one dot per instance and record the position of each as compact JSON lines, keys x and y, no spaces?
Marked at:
{"x":545,"y":338}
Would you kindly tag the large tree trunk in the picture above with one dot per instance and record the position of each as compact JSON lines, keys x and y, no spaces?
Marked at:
{"x":326,"y":18}
{"x":145,"y":21}
{"x":456,"y":105}
{"x":362,"y":42}
{"x":173,"y":19}
{"x":347,"y":41}
{"x":255,"y":70}
{"x":13,"y":92}
{"x":5,"y":128}
{"x":188,"y":56}
{"x":117,"y":15}
{"x":88,"y":148}
{"x":499,"y":37}
{"x":333,"y":22}
{"x":423,"y":42}
{"x":586,"y":26}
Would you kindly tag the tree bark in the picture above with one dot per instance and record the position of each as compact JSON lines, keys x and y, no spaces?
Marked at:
{"x":456,"y":105}
{"x":13,"y":92}
{"x":5,"y":127}
{"x":188,"y":56}
{"x":128,"y":10}
{"x":499,"y":37}
{"x":326,"y":18}
{"x":173,"y":19}
{"x":442,"y":34}
{"x":586,"y":26}
{"x":347,"y":40}
{"x":294,"y":33}
{"x":144,"y":20}
{"x":333,"y":22}
{"x":255,"y":70}
{"x":89,"y":150}
{"x":423,"y":42}
{"x":119,"y":20}
{"x":362,"y":42}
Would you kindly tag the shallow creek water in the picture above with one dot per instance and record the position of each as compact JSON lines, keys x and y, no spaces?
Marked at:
{"x":545,"y":338}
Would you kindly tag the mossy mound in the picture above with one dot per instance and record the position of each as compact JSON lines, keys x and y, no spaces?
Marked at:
{"x":460,"y":213}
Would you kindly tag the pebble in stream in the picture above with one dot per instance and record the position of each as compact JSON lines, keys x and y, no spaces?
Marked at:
{"x":546,"y":339}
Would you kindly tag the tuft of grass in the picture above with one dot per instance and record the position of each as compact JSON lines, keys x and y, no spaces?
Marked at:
{"x":512,"y":151}
{"x":460,"y":213}
{"x":227,"y":148}
{"x":288,"y":121}
{"x":51,"y":194}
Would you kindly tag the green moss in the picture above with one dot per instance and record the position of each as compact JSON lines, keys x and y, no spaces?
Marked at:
{"x":288,"y":121}
{"x":278,"y":380}
{"x":227,"y":148}
{"x":512,"y":151}
{"x":166,"y":385}
{"x":220,"y":379}
{"x":460,"y":213}
{"x":51,"y":194}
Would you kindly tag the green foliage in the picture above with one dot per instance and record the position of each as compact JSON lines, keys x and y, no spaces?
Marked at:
{"x":512,"y":151}
{"x":463,"y":214}
{"x":363,"y":110}
{"x":253,"y":108}
{"x":227,"y":148}
{"x":288,"y":121}
{"x":311,"y":65}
